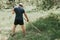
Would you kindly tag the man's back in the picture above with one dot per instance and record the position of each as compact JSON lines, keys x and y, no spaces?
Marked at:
{"x":19,"y":12}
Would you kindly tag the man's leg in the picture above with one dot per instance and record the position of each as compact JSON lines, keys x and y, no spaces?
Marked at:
{"x":13,"y":29}
{"x":23,"y":30}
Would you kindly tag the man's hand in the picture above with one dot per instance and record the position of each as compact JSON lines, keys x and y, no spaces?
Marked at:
{"x":13,"y":11}
{"x":26,"y":17}
{"x":27,"y":20}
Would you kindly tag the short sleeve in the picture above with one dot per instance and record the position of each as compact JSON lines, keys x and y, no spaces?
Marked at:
{"x":23,"y":11}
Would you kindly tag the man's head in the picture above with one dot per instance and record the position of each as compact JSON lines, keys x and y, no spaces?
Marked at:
{"x":20,"y":4}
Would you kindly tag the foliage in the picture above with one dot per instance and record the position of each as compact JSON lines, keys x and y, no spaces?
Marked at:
{"x":46,"y":4}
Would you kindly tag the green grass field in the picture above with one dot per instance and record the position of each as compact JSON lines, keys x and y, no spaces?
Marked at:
{"x":48,"y":22}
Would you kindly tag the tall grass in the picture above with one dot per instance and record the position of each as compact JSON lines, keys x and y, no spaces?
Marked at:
{"x":49,"y":27}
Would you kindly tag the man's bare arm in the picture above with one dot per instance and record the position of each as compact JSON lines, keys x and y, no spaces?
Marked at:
{"x":13,"y":11}
{"x":26,"y":17}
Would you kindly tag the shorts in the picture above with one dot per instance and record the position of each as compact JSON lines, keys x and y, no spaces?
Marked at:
{"x":18,"y":21}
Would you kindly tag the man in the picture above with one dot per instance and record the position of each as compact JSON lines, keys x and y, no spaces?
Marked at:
{"x":19,"y":11}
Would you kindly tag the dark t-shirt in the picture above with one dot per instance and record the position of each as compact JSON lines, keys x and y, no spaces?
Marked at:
{"x":19,"y":13}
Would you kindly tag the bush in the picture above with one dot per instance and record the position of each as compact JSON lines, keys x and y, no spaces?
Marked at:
{"x":44,"y":4}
